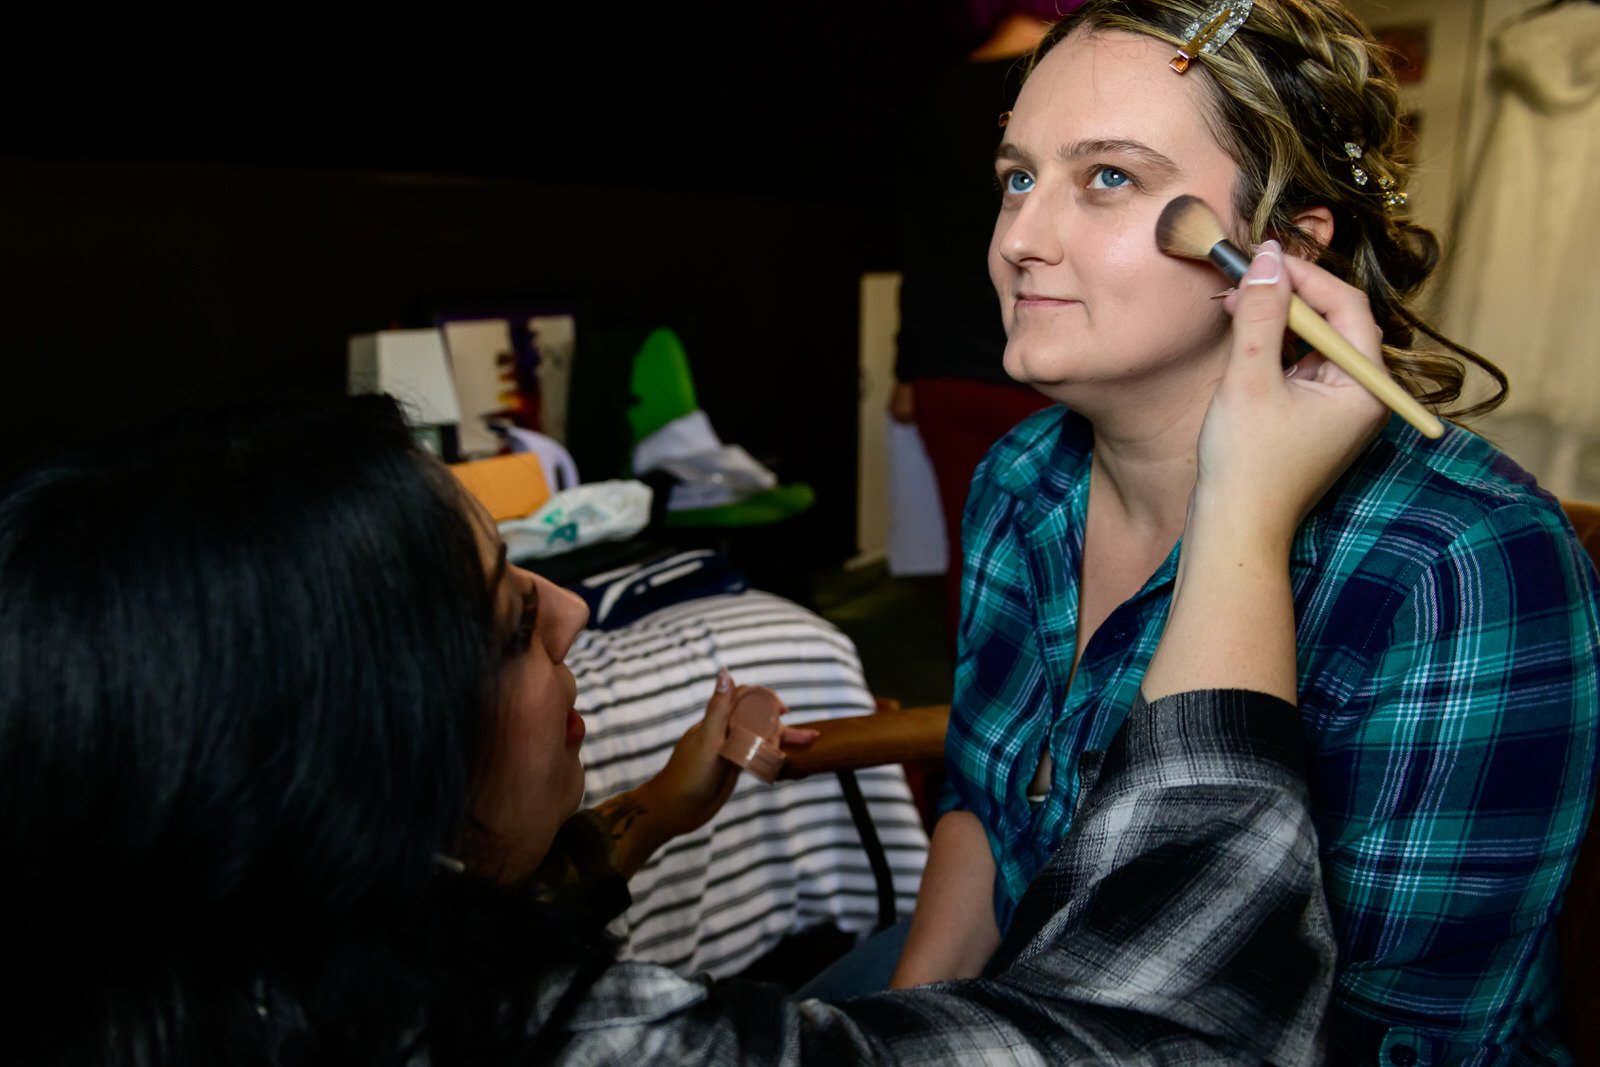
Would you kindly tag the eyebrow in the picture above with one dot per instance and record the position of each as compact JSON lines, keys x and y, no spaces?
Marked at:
{"x":1077,"y":150}
{"x":530,"y":601}
{"x":499,"y":567}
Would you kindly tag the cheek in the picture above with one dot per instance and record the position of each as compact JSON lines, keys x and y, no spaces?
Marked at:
{"x":999,"y":269}
{"x":1125,"y":258}
{"x":1158,"y":287}
{"x":530,"y":745}
{"x":534,"y":711}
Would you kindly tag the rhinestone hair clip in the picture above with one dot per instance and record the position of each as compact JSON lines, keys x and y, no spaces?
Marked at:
{"x":1213,"y":29}
{"x":1393,"y":199}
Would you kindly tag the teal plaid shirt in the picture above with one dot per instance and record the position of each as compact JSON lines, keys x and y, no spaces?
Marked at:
{"x":1447,"y":635}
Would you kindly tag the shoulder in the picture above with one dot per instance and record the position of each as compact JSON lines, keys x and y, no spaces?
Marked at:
{"x":1410,"y":504}
{"x":1024,"y":480}
{"x":1425,"y":538}
{"x":633,"y":993}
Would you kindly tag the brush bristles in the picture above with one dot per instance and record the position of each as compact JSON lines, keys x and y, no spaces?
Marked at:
{"x":1188,"y":228}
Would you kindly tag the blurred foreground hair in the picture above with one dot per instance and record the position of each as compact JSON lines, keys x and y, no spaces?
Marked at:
{"x":247,"y":671}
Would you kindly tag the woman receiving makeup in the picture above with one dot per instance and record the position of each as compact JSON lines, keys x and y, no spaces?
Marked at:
{"x":289,"y":763}
{"x":1446,"y":617}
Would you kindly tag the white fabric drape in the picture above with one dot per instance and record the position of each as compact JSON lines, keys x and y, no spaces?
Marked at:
{"x":1523,"y":288}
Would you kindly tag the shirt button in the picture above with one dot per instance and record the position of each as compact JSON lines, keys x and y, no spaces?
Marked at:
{"x":1403,"y":1056}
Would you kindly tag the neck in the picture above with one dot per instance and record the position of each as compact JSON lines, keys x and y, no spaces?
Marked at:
{"x":1145,"y":478}
{"x":1144,"y":455}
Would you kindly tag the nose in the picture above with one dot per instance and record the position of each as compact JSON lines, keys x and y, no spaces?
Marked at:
{"x":568,"y":615}
{"x":1030,"y":233}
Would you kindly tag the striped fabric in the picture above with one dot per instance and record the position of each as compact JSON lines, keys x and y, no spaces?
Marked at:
{"x":1449,"y":681}
{"x":777,"y":858}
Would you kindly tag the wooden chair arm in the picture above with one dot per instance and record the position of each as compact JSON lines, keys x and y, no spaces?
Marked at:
{"x":892,"y":735}
{"x":1585,"y":518}
{"x":1578,"y":928}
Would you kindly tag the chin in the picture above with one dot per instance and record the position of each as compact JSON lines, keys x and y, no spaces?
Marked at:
{"x":1043,"y":374}
{"x":1040,"y":357}
{"x":576,"y":792}
{"x":1017,"y":366}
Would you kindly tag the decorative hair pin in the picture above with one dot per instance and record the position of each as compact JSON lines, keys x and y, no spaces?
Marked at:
{"x":1213,"y":29}
{"x":1363,"y":170}
{"x":1393,"y":199}
{"x":1355,"y":152}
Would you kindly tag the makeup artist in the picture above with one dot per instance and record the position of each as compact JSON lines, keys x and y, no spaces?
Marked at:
{"x":289,"y":763}
{"x":1446,"y":616}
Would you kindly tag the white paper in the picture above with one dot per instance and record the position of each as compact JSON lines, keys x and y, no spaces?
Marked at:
{"x":916,"y":523}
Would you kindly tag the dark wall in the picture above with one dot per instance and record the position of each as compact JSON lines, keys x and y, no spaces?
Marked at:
{"x":194,"y":204}
{"x":701,"y":95}
{"x":129,"y":286}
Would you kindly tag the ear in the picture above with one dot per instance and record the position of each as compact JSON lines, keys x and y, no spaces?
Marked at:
{"x":1316,"y":223}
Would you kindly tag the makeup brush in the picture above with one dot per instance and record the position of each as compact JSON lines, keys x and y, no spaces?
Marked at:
{"x":1189,"y":229}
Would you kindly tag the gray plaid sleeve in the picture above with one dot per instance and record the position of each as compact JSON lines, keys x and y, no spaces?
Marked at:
{"x":1182,"y":922}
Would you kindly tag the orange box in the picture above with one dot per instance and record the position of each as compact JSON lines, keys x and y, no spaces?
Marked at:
{"x":511,"y":487}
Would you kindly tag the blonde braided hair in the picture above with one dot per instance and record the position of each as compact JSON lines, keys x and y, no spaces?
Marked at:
{"x":1298,"y":81}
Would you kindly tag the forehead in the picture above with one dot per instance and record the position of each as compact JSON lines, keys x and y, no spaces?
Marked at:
{"x":1113,"y":85}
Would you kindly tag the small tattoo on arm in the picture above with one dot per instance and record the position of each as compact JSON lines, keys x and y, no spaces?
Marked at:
{"x":618,"y":815}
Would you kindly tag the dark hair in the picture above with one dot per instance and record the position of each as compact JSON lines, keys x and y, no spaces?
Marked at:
{"x":247,"y":673}
{"x":1299,"y":80}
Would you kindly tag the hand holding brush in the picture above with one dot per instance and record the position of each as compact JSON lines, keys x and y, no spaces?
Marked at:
{"x":1273,"y":443}
{"x":1189,"y":229}
{"x":1270,"y":447}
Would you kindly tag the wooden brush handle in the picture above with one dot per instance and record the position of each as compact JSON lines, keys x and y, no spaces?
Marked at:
{"x":1307,"y":324}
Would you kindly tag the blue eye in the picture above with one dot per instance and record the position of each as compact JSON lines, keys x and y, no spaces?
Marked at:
{"x":1017,"y":182}
{"x":1109,"y":178}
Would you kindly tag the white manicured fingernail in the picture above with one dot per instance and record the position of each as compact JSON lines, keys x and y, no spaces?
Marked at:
{"x":724,"y":680}
{"x":1267,"y":267}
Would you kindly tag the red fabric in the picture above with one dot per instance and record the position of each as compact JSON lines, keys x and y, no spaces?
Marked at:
{"x":959,"y":420}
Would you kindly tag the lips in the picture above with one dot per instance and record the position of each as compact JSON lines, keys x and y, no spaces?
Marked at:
{"x":575,"y":729}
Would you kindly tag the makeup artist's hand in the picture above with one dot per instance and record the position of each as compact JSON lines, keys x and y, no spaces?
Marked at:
{"x":696,"y":781}
{"x":1269,"y":448}
{"x":1272,"y":444}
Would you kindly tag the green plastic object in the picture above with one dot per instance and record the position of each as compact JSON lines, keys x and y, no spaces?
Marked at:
{"x":663,"y":390}
{"x":760,"y":509}
{"x":662,"y":387}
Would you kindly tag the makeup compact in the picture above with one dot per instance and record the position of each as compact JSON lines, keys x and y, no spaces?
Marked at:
{"x":753,"y":733}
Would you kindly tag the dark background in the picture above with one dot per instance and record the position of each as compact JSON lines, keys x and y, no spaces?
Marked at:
{"x":203,"y":202}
